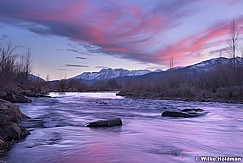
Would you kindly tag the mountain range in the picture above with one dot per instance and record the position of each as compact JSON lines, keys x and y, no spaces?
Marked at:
{"x":107,"y":74}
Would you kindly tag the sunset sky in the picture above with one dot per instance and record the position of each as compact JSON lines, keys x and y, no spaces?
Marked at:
{"x":68,"y":37}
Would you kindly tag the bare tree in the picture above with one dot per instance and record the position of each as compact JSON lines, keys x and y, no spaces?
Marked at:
{"x":47,"y":77}
{"x":241,"y":49}
{"x":7,"y":62}
{"x":14,"y":68}
{"x":241,"y":65}
{"x":172,"y":63}
{"x":233,"y":43}
{"x":28,"y":60}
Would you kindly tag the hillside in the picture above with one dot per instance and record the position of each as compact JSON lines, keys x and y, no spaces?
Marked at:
{"x":212,"y":80}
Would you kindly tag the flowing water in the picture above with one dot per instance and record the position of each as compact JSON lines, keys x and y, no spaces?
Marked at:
{"x":59,"y":135}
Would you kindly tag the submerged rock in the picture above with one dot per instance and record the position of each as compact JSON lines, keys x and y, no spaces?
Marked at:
{"x":102,"y":103}
{"x":105,"y":123}
{"x":185,"y":113}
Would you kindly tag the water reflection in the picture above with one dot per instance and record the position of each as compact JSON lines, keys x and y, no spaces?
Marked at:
{"x":103,"y":95}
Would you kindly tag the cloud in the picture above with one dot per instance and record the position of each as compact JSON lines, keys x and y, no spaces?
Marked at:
{"x":119,"y":28}
{"x":84,"y":49}
{"x":190,"y":46}
{"x":220,"y":51}
{"x":81,"y":58}
{"x":131,"y":30}
{"x":62,"y":69}
{"x":230,"y":2}
{"x":73,"y":50}
{"x":75,"y":65}
{"x":102,"y":67}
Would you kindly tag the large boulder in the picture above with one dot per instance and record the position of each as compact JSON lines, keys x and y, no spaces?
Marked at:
{"x":14,"y":98}
{"x":8,"y":97}
{"x":12,"y":111}
{"x":9,"y":130}
{"x":2,"y":93}
{"x":3,"y":144}
{"x":22,"y":99}
{"x":174,"y":114}
{"x":30,"y":93}
{"x":185,"y":113}
{"x":192,"y":110}
{"x":105,"y":123}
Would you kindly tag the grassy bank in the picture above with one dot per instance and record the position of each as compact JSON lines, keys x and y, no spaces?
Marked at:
{"x":226,"y":95}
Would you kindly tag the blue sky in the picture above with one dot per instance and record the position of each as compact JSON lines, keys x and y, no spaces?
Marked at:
{"x":68,"y":37}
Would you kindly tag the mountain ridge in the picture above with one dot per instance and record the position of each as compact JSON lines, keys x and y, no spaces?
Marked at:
{"x":109,"y":73}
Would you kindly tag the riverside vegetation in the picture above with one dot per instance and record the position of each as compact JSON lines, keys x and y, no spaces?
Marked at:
{"x":16,"y":84}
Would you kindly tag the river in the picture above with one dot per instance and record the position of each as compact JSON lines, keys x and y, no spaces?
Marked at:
{"x":59,"y":135}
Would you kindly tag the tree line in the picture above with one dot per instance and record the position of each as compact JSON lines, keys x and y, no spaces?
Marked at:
{"x":74,"y":85}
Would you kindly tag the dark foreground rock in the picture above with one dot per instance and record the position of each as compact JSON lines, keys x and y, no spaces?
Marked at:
{"x":29,"y":93}
{"x":14,"y":98}
{"x":12,"y":111}
{"x":10,"y":130}
{"x":105,"y":123}
{"x":185,"y":113}
{"x":3,"y":144}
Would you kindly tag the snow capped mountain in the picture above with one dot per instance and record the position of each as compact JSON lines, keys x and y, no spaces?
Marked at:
{"x":158,"y":70}
{"x":35,"y":78}
{"x":211,"y":64}
{"x":106,"y":74}
{"x":204,"y":66}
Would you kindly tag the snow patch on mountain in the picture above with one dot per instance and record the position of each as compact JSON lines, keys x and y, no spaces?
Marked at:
{"x":35,"y":78}
{"x":209,"y":65}
{"x":106,"y":74}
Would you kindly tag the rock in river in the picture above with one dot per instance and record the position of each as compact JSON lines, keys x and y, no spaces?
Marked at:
{"x":185,"y":113}
{"x":192,"y":110}
{"x":105,"y":123}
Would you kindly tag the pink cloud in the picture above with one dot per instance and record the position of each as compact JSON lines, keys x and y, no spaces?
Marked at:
{"x":122,"y":29}
{"x":187,"y":47}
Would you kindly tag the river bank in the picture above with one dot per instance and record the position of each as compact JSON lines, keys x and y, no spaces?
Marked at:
{"x":10,"y":129}
{"x":152,"y":95}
